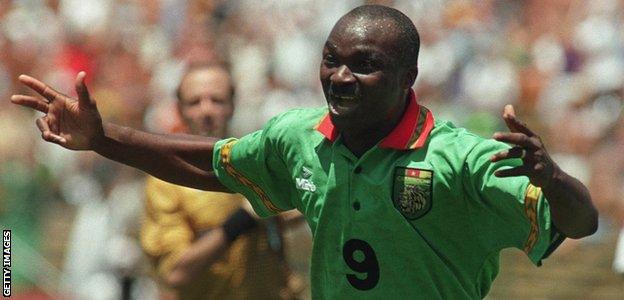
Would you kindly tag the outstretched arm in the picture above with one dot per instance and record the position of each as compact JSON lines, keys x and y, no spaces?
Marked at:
{"x":177,"y":158}
{"x":570,"y":203}
{"x":76,"y":124}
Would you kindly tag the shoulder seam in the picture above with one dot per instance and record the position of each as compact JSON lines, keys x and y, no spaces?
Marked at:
{"x":225,"y":160}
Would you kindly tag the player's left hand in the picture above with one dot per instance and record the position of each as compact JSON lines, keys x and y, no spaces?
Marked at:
{"x":528,"y":146}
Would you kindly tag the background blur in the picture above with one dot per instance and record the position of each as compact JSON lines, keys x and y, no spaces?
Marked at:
{"x":75,"y":216}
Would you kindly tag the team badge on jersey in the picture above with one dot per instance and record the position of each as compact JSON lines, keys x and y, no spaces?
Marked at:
{"x":412,"y":192}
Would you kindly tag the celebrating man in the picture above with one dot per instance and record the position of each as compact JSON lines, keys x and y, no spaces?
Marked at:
{"x":400,"y":205}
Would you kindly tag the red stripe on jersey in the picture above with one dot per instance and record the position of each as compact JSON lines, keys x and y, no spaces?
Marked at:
{"x":327,"y":128}
{"x":409,"y":129}
{"x":401,"y":134}
{"x":424,"y":134}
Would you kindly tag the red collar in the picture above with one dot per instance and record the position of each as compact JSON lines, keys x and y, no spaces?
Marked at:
{"x":411,"y":132}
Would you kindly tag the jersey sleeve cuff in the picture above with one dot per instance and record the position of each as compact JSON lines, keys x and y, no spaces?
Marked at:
{"x":236,"y":181}
{"x":543,"y":237}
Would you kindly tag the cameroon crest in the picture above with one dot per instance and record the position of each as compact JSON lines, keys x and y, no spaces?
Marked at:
{"x":412,"y":195}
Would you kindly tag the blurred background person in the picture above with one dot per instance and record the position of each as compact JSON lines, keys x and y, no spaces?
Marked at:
{"x":607,"y":164}
{"x":208,"y":245}
{"x":103,"y":256}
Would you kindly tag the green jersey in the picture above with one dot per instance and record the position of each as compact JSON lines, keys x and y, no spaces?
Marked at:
{"x":420,"y":215}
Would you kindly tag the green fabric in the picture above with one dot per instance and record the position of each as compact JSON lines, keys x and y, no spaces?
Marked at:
{"x":380,"y":233}
{"x":23,"y":195}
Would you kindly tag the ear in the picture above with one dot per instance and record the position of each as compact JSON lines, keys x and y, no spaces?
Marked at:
{"x":231,"y":112}
{"x":410,"y":77}
{"x":232,"y":98}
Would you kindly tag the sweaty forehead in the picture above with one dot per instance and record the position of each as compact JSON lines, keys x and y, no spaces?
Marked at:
{"x":380,"y":33}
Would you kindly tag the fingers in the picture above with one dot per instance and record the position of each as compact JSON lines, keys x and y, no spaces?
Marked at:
{"x":535,"y":172}
{"x":517,"y":171}
{"x":39,"y":87}
{"x":52,"y":119}
{"x":515,"y":152}
{"x":42,"y":125}
{"x":519,"y":139}
{"x":32,"y":102}
{"x":515,"y":125}
{"x":46,"y":133}
{"x":509,"y":113}
{"x":528,"y":147}
{"x":84,"y":99}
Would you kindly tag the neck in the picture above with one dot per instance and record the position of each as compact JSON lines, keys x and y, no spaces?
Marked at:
{"x":360,"y":140}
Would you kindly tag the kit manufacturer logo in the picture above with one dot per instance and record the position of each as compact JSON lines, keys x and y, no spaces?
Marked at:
{"x":305,"y":181}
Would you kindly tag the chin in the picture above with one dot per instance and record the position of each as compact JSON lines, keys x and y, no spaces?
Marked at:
{"x":346,"y":121}
{"x":203,"y":132}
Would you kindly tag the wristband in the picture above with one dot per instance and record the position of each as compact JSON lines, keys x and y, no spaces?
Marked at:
{"x":237,"y":224}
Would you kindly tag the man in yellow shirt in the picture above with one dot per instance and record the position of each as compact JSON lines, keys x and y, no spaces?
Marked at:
{"x":206,"y":245}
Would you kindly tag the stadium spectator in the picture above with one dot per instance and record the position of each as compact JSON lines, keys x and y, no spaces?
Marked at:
{"x":207,"y":245}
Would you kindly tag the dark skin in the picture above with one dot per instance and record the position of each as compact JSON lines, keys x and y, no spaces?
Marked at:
{"x":76,"y":124}
{"x":366,"y":91}
{"x":571,"y":207}
{"x":365,"y":86}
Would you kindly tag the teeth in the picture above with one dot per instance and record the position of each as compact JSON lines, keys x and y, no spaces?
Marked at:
{"x":344,"y":97}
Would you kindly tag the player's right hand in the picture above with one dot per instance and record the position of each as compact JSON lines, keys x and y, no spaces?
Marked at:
{"x":72,"y":123}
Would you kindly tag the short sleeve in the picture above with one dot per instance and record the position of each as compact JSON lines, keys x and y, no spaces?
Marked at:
{"x":251,"y":166}
{"x":507,"y":212}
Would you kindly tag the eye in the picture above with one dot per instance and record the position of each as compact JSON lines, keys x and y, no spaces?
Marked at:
{"x":370,"y":65}
{"x":330,"y":61}
{"x":367,"y":66}
{"x":192,"y":102}
{"x":219,"y":101}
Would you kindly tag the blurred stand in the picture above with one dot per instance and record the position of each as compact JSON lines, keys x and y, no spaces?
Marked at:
{"x":560,"y":62}
{"x":103,"y":258}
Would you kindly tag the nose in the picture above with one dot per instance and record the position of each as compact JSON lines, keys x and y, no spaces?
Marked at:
{"x":207,"y":105}
{"x":342,"y":76}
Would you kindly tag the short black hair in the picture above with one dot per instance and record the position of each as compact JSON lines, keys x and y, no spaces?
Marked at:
{"x":407,"y":32}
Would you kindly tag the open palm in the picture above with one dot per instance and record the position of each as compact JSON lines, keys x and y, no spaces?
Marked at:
{"x":72,"y":123}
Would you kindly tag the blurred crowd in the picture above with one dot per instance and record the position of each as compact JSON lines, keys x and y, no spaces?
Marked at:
{"x":75,"y":217}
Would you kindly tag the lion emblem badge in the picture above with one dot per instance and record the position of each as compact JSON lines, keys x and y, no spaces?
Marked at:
{"x":412,"y":192}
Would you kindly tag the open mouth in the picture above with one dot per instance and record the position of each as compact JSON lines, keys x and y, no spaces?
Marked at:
{"x":342,"y":104}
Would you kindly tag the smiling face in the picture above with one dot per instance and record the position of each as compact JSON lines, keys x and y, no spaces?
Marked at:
{"x":363,"y":81}
{"x":205,"y":101}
